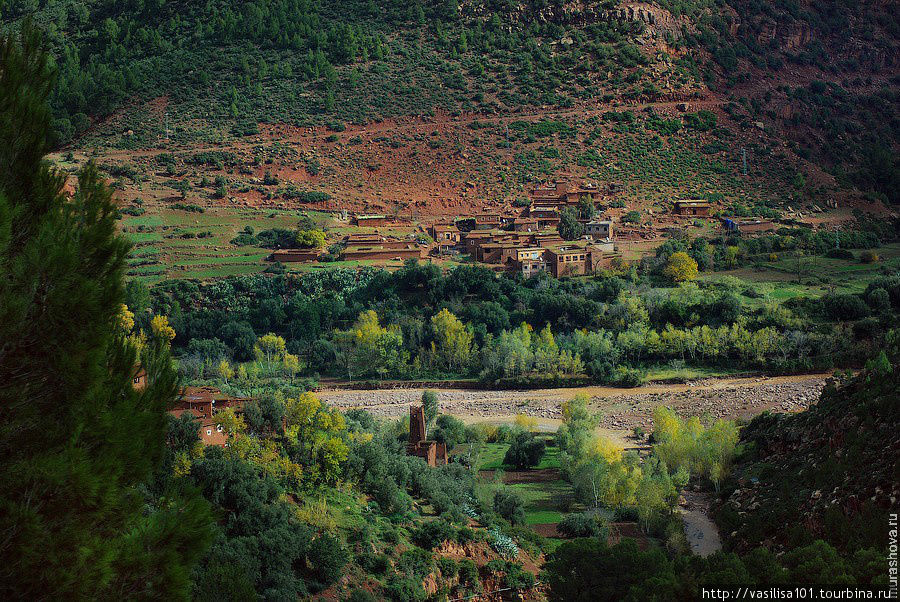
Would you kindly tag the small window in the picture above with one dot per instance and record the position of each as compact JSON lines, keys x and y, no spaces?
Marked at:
{"x":209,"y":431}
{"x":137,"y":379}
{"x":218,"y":428}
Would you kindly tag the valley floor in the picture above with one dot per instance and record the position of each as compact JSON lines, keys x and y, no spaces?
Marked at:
{"x":622,"y":409}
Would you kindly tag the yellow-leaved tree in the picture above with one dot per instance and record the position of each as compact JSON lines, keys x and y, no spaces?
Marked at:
{"x":681,"y":267}
{"x":453,"y":343}
{"x":269,"y":348}
{"x":317,"y":434}
{"x":371,"y":349}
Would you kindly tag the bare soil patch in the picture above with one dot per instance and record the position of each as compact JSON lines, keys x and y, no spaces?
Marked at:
{"x":538,"y":475}
{"x":547,"y":530}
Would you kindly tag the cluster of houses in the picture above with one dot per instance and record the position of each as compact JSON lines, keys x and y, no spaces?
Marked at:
{"x":701,"y":208}
{"x":528,"y":252}
{"x":527,"y":242}
{"x":359,"y":247}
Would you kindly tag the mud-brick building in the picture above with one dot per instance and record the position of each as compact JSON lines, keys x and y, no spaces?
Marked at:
{"x":384,"y":251}
{"x":567,"y":261}
{"x":471,"y":240}
{"x":565,"y":192}
{"x":431,"y":451}
{"x":525,"y":224}
{"x":598,"y":229}
{"x":546,"y":216}
{"x":692,"y":207}
{"x":750,"y":226}
{"x":372,"y":220}
{"x":445,"y":236}
{"x":203,"y":403}
{"x":139,"y":380}
{"x":364,"y":239}
{"x":295,"y":255}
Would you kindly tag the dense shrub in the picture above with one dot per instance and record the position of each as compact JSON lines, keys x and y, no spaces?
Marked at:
{"x":879,"y":299}
{"x":525,"y":450}
{"x":584,"y":524}
{"x":840,"y":254}
{"x":429,"y":535}
{"x":510,"y":506}
{"x":844,"y":307}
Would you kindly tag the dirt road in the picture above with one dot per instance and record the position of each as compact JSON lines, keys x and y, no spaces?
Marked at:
{"x":622,"y":409}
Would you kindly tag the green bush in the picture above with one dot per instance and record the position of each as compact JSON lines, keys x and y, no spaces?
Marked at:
{"x":510,"y":506}
{"x":525,"y":450}
{"x":632,"y":217}
{"x":584,"y":524}
{"x":429,"y":535}
{"x":447,"y":567}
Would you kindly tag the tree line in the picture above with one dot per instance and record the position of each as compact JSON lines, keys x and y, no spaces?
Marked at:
{"x":418,"y":322}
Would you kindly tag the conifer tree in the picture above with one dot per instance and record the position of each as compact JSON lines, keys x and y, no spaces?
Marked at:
{"x":79,"y":445}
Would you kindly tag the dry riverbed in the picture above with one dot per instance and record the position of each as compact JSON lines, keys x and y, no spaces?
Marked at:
{"x":621,"y":409}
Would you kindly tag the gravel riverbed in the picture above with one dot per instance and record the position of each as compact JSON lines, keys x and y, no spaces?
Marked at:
{"x":621,"y":408}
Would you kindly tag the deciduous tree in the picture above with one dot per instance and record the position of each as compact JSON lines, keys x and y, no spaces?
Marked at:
{"x":681,"y":267}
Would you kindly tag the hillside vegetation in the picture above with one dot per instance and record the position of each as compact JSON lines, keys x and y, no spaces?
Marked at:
{"x":812,"y":72}
{"x":800,"y":479}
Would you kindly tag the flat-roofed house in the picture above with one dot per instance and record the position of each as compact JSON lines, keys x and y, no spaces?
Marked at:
{"x":547,"y":239}
{"x":546,"y":216}
{"x":492,"y":252}
{"x":565,"y":192}
{"x":386,"y":250}
{"x":516,"y":253}
{"x":695,"y":207}
{"x":567,"y":261}
{"x":755,"y":226}
{"x":295,"y":255}
{"x":530,"y":268}
{"x":529,"y":253}
{"x":139,"y":380}
{"x":203,"y":403}
{"x":599,"y":229}
{"x":212,"y":433}
{"x":528,"y":260}
{"x":487,"y":221}
{"x":359,"y":239}
{"x":445,"y":236}
{"x":471,"y":240}
{"x":525,"y":224}
{"x":372,"y":220}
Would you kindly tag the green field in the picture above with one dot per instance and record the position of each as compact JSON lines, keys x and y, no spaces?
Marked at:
{"x":809,"y":276}
{"x":665,"y":373}
{"x":492,"y":456}
{"x":546,"y":501}
{"x":182,"y":244}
